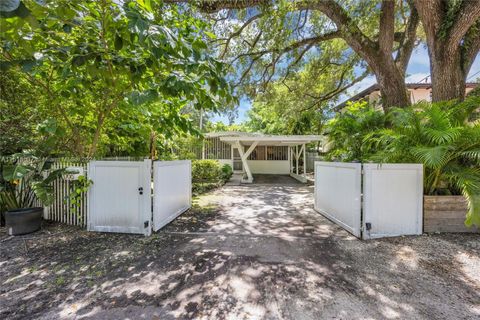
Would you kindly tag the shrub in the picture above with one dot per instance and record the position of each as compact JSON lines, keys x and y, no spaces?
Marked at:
{"x":206,"y":171}
{"x":227,"y":172}
{"x":208,"y":175}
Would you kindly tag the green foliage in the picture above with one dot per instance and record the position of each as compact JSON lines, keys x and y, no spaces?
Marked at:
{"x":18,"y":118}
{"x":294,"y":106}
{"x":208,"y":174}
{"x":206,"y":171}
{"x":348,"y":129}
{"x":440,"y":136}
{"x":184,"y":148}
{"x":24,"y":178}
{"x":227,"y":172}
{"x":112,"y":72}
{"x":78,"y":189}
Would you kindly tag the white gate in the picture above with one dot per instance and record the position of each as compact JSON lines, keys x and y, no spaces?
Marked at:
{"x":172,"y":191}
{"x":120,"y":196}
{"x":392,"y":197}
{"x":338,"y":193}
{"x":393,"y":200}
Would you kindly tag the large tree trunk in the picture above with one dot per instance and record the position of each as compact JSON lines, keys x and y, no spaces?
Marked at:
{"x":392,"y":84}
{"x":452,"y":46}
{"x":448,"y":76}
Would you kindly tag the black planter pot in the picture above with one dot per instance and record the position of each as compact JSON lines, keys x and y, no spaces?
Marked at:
{"x":23,"y":221}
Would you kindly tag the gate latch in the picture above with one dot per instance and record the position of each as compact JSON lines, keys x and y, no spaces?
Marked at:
{"x":368,"y":226}
{"x":145,"y":224}
{"x":140,"y":190}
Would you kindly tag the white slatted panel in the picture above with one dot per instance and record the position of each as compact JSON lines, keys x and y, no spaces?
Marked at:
{"x":115,"y":202}
{"x":393,"y":199}
{"x":172,"y":190}
{"x":338,"y":193}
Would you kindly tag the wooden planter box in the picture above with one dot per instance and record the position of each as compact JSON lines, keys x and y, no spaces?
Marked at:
{"x":445,"y":214}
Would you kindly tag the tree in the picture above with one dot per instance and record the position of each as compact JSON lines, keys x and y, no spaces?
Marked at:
{"x":296,"y":105}
{"x":380,"y":34}
{"x":98,"y":62}
{"x":18,"y":118}
{"x":452,"y":30}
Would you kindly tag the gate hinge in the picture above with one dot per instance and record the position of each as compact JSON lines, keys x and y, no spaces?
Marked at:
{"x":146,"y":224}
{"x":368,"y":226}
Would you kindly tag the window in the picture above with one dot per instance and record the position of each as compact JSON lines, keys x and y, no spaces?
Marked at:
{"x":257,"y":154}
{"x":217,"y":149}
{"x":268,"y":153}
{"x":277,"y":153}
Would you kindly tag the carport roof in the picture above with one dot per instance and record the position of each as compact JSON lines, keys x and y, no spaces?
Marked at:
{"x":247,"y":138}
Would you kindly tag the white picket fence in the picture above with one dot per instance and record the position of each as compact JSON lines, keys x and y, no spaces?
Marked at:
{"x":61,"y":209}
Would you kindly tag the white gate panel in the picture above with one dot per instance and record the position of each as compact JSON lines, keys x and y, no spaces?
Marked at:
{"x":393,"y":200}
{"x":120,"y":196}
{"x":172,"y":190}
{"x":338,"y":193}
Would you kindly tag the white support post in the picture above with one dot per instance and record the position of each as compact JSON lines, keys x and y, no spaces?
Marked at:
{"x":203,"y":149}
{"x":304,"y":161}
{"x":290,"y":158}
{"x":296,"y":159}
{"x":244,"y":157}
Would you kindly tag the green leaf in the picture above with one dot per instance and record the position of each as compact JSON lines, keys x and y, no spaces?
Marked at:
{"x":118,"y":42}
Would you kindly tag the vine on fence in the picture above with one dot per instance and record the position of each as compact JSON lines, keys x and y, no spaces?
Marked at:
{"x":78,"y":189}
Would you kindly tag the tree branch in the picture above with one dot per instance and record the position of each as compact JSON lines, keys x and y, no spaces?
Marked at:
{"x":430,"y":12}
{"x":212,"y":6}
{"x":339,"y":89}
{"x":408,"y":39}
{"x":238,"y":32}
{"x":471,"y":52}
{"x":387,"y":26}
{"x":294,"y":45}
{"x":466,"y":18}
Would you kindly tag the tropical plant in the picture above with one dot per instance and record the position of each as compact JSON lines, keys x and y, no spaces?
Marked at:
{"x":24,"y":179}
{"x":347,"y":130}
{"x":440,"y":136}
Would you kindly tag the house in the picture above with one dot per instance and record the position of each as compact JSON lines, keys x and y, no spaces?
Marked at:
{"x":255,"y":153}
{"x":417,"y":92}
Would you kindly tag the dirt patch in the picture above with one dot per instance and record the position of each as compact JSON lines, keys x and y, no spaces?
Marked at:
{"x":201,"y":266}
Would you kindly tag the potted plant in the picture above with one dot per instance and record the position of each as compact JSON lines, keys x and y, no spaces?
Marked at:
{"x":25,"y":180}
{"x":443,"y":137}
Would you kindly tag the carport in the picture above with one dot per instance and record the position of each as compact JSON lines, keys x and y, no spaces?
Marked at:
{"x":246,"y":144}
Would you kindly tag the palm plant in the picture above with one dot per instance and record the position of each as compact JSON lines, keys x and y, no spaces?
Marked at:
{"x":440,"y":136}
{"x":25,"y":179}
{"x":347,"y":130}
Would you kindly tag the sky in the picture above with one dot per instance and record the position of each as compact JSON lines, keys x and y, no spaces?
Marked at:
{"x":418,"y":69}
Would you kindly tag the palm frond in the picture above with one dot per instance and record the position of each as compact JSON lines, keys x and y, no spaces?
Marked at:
{"x":433,"y":157}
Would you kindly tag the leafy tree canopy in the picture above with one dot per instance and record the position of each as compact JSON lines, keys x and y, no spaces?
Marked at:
{"x":112,"y":72}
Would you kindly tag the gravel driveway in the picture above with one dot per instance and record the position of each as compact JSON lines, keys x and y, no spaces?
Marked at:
{"x":242,"y":252}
